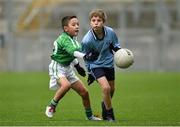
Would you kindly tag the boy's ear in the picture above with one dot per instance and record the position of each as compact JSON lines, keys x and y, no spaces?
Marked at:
{"x":65,"y":28}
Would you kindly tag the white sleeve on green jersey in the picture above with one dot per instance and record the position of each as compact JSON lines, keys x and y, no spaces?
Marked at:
{"x":79,"y":54}
{"x":75,"y":61}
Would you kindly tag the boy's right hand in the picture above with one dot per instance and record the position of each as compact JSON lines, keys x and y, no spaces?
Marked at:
{"x":90,"y":79}
{"x":91,"y":56}
{"x":80,"y":70}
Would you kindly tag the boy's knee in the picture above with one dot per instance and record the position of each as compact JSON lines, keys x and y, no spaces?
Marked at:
{"x":106,"y":89}
{"x":65,"y":86}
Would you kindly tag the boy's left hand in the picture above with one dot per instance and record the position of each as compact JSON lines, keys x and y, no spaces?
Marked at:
{"x":80,"y":70}
{"x":112,"y":48}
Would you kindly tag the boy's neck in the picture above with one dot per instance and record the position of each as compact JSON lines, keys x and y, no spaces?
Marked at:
{"x":69,"y":34}
{"x":99,"y":34}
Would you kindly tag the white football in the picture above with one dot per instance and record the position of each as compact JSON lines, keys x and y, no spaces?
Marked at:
{"x":123,"y":58}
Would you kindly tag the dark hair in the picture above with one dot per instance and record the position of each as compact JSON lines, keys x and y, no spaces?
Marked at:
{"x":65,"y":20}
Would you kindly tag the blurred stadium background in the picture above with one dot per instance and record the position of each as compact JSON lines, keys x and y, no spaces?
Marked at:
{"x":150,"y":28}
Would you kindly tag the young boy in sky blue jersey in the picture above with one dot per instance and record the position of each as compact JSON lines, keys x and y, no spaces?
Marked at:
{"x":103,"y":40}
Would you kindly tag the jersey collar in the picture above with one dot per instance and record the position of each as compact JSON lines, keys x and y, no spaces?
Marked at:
{"x":95,"y":36}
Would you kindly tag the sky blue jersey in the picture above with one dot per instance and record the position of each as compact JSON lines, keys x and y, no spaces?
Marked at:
{"x":91,"y":43}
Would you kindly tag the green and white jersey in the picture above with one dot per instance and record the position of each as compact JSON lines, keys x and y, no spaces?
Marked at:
{"x":64,"y":47}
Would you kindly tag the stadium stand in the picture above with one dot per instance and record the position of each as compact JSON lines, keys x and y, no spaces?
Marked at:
{"x":150,"y":28}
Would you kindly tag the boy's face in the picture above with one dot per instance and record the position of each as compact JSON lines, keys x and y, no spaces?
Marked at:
{"x":96,"y":23}
{"x":73,"y":27}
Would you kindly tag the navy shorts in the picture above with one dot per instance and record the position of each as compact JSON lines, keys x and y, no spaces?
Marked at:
{"x":107,"y":72}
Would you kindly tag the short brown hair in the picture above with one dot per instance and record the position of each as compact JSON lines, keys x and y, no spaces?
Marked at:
{"x":98,"y":12}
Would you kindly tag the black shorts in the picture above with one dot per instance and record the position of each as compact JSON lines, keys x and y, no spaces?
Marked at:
{"x":107,"y":72}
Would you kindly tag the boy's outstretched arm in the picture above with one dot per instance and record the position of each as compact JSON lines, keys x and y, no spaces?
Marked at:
{"x":90,"y":56}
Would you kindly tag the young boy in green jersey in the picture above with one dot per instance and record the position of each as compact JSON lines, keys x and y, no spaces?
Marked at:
{"x":62,"y":76}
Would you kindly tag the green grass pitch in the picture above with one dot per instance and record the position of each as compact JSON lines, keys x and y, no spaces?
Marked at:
{"x":141,"y":99}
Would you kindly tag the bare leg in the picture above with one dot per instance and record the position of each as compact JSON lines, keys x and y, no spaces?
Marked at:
{"x":111,"y":83}
{"x":64,"y":87}
{"x":83,"y":92}
{"x":106,"y":92}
